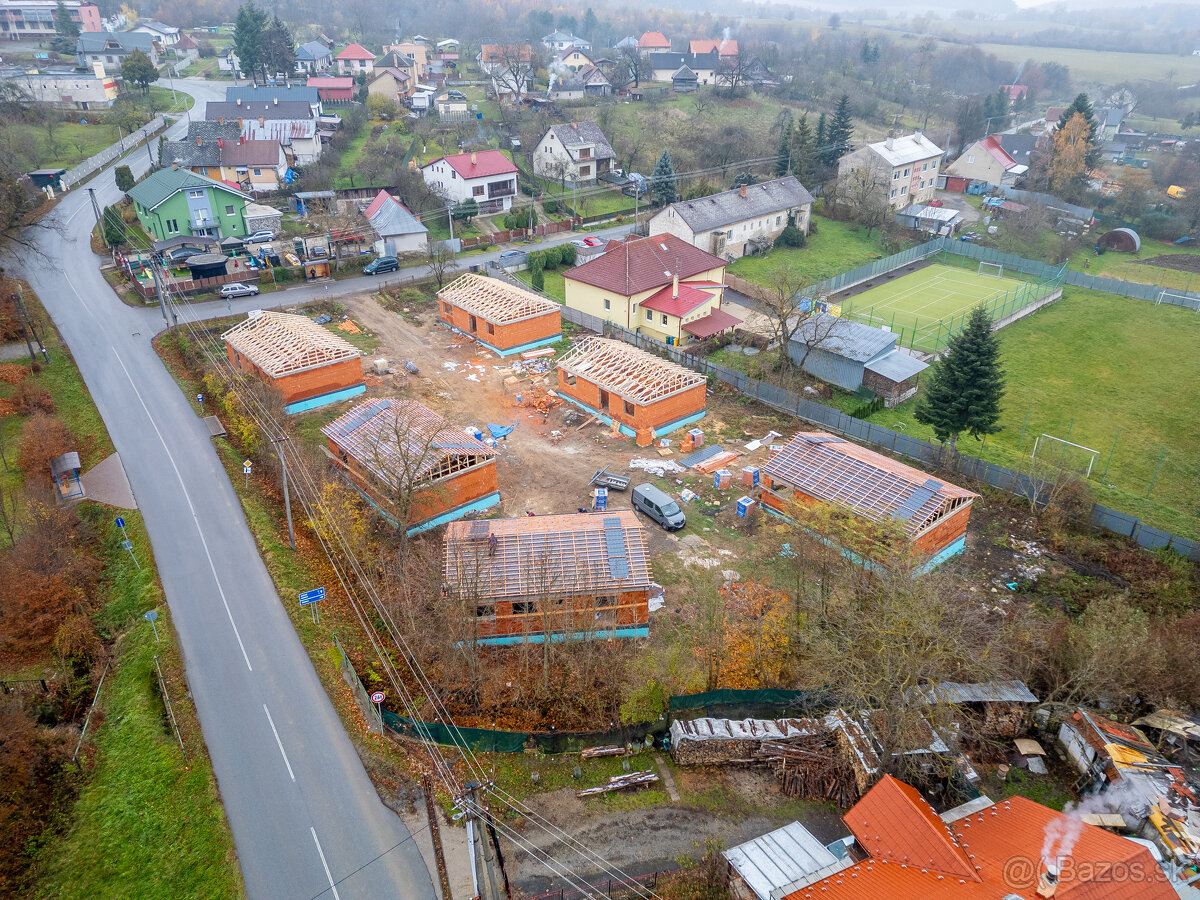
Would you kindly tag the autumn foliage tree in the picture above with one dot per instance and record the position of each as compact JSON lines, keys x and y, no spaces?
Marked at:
{"x":43,"y":438}
{"x":1072,"y":143}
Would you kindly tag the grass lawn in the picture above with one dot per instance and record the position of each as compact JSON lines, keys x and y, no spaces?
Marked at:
{"x":555,"y":285}
{"x":350,"y":157}
{"x":835,"y":247}
{"x":70,"y":145}
{"x":1132,"y":266}
{"x":160,"y":98}
{"x":1105,"y":66}
{"x":1112,"y":374}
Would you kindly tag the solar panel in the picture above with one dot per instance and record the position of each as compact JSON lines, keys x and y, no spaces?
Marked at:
{"x":823,"y":439}
{"x":479,"y":530}
{"x":614,"y":541}
{"x":359,"y":416}
{"x":912,"y":503}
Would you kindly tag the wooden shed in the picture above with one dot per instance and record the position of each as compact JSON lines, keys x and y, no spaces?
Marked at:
{"x":643,"y":395}
{"x":815,"y":467}
{"x":537,"y":578}
{"x":308,"y":364}
{"x":499,"y":315}
{"x":421,"y":470}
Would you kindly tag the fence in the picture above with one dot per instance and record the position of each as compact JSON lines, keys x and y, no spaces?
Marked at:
{"x":115,"y":151}
{"x":607,"y":888}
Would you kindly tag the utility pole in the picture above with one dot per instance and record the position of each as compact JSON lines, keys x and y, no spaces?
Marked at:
{"x":29,"y":323}
{"x":491,"y":886}
{"x":95,"y":207}
{"x":287,"y":497}
{"x":16,"y":299}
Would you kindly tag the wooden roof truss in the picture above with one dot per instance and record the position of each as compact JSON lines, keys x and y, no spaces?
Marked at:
{"x":494,"y":300}
{"x":284,"y":344}
{"x":626,"y":371}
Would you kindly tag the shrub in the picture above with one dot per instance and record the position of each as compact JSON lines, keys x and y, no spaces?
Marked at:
{"x":30,"y":398}
{"x":43,"y":438}
{"x":566,"y":254}
{"x":791,"y":236}
{"x":550,"y":205}
{"x":124,"y":177}
{"x":539,"y":280}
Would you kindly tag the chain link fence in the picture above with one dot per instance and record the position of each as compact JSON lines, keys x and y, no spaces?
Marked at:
{"x":89,"y":166}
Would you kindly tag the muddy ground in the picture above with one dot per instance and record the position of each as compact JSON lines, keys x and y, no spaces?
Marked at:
{"x":1183,"y":262}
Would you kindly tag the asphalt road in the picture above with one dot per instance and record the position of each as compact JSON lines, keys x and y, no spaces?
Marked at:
{"x":306,"y":820}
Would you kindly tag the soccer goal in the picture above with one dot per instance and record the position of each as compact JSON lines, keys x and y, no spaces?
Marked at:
{"x":1065,"y":455}
{"x":995,"y":269}
{"x":1173,"y":298}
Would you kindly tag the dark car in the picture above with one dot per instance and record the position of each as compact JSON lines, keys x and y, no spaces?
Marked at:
{"x":179,"y":254}
{"x":381,"y":265}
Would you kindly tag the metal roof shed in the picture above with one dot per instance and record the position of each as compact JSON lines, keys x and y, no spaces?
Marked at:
{"x":781,"y":861}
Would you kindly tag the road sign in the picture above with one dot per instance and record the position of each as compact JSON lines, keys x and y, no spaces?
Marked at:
{"x":245,"y":470}
{"x":120,"y":522}
{"x":127,"y":545}
{"x":377,"y":697}
{"x":150,"y":615}
{"x":246,"y":463}
{"x":312,"y":596}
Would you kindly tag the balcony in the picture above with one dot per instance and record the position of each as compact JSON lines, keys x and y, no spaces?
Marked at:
{"x":502,"y":189}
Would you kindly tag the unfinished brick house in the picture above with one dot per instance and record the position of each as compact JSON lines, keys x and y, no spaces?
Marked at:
{"x":642,"y":395}
{"x":819,"y":468}
{"x":501,"y":316}
{"x":309,"y":365}
{"x":581,"y":576}
{"x":415,"y":466}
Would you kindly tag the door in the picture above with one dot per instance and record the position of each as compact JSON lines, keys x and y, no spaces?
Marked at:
{"x":604,"y":400}
{"x":472,"y":324}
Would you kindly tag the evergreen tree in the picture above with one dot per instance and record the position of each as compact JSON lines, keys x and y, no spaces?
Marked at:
{"x":964,"y":390}
{"x":589,"y":24}
{"x":278,"y":48}
{"x":124,"y":178}
{"x":112,"y":227}
{"x":663,"y":183}
{"x":1083,"y":105}
{"x":822,"y":137}
{"x":840,"y":130}
{"x":247,"y":38}
{"x":66,"y":30}
{"x":783,"y":156}
{"x":803,"y":152}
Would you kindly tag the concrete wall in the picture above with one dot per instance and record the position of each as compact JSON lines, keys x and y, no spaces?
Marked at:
{"x":503,"y":336}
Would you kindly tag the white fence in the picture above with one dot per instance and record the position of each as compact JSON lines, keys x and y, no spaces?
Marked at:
{"x":90,"y":166}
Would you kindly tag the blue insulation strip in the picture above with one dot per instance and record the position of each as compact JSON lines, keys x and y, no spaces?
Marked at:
{"x":324,"y":399}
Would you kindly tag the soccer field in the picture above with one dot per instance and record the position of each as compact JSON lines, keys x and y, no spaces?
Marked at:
{"x":926,"y":307}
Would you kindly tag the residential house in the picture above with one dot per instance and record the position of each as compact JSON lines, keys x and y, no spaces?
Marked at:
{"x":308,"y":365}
{"x":653,"y":42}
{"x":1053,"y":114}
{"x":420,"y":470}
{"x":905,"y":851}
{"x":626,"y":43}
{"x":494,"y":57}
{"x":573,"y":153}
{"x":660,"y":286}
{"x":417,"y":51}
{"x":398,"y":229}
{"x":1014,"y":92}
{"x":549,"y":578}
{"x":66,"y":87}
{"x":290,"y":122}
{"x":500,"y":316}
{"x":1108,"y":123}
{"x":486,"y":176}
{"x":906,"y":168}
{"x":557,"y":41}
{"x":685,"y":81}
{"x":984,"y":161}
{"x":393,"y":84}
{"x":572,"y":58}
{"x":355,"y":60}
{"x":734,"y":223}
{"x":227,"y":61}
{"x":725,"y":48}
{"x":276,"y":94}
{"x":218,"y":150}
{"x":110,"y":50}
{"x":706,"y":66}
{"x":931,"y":515}
{"x":173,"y":202}
{"x":587,"y":82}
{"x":33,"y":20}
{"x":336,"y":89}
{"x":451,"y":105}
{"x":638,"y":393}
{"x":852,"y":355}
{"x":313,"y":57}
{"x":167,"y":36}
{"x":1020,"y":147}
{"x":511,"y":85}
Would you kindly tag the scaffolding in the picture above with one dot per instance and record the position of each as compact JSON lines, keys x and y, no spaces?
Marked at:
{"x":870,"y":484}
{"x":579,"y":554}
{"x":495,"y":301}
{"x":284,"y":344}
{"x":630,"y":373}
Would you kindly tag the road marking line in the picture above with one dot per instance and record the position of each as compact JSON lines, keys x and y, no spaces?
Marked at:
{"x":332,"y":886}
{"x":195,"y":519}
{"x":279,"y":742}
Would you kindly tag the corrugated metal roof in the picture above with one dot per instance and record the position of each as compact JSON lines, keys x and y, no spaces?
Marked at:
{"x":897,"y":366}
{"x":907,"y":149}
{"x":843,"y":337}
{"x":729,"y":207}
{"x":986,"y":692}
{"x":789,"y":857}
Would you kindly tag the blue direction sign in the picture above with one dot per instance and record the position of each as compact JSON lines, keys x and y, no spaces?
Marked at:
{"x":312,"y":596}
{"x":120,"y":522}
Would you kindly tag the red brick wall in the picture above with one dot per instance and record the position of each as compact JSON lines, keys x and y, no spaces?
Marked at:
{"x":513,"y":334}
{"x":574,"y":615}
{"x":651,"y":415}
{"x":302,"y":385}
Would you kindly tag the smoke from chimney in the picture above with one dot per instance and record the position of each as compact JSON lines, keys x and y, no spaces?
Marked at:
{"x":239,"y":101}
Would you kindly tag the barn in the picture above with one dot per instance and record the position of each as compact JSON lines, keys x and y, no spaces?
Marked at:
{"x":640,"y":394}
{"x":309,"y":365}
{"x":852,"y":355}
{"x":499,"y":315}
{"x":581,"y":576}
{"x":815,"y":467}
{"x":415,"y":466}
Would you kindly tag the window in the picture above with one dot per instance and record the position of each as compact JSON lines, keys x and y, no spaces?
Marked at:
{"x":196,"y":195}
{"x":893,"y":193}
{"x":628,"y":408}
{"x":485,"y":611}
{"x":778,"y":221}
{"x":664,"y":319}
{"x":570,"y":379}
{"x":649,"y":315}
{"x":491,"y":329}
{"x":606,"y":600}
{"x":524,"y":607}
{"x":172,"y":224}
{"x":896,"y":175}
{"x":477,"y":191}
{"x":258,"y":171}
{"x":585,"y":153}
{"x":229,"y":210}
{"x":906,"y":173}
{"x":585,"y":171}
{"x":607,"y":303}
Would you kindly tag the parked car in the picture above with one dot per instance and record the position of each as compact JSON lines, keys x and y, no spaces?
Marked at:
{"x":656,"y":504}
{"x":593,"y":242}
{"x":580,"y":243}
{"x":238,"y":289}
{"x":381,"y":265}
{"x":511,"y":258}
{"x":935,"y":203}
{"x":260,"y":237}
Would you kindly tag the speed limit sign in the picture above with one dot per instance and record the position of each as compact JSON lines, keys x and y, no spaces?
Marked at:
{"x":377,"y":697}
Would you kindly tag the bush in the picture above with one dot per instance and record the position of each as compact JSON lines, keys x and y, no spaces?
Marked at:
{"x":124,"y":177}
{"x":207,"y":49}
{"x":550,"y":205}
{"x":791,"y":236}
{"x":566,"y":254}
{"x":538,"y":280}
{"x":43,"y":438}
{"x":30,"y":398}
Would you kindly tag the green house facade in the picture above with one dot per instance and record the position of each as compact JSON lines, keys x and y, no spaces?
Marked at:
{"x":174,"y":202}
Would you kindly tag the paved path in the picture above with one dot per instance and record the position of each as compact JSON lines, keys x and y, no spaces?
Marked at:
{"x":304,"y":815}
{"x":106,"y":482}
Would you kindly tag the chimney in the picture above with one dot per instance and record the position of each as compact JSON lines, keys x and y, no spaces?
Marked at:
{"x":1047,"y":882}
{"x":743,"y":192}
{"x":174,"y":167}
{"x":472,"y":157}
{"x":221,"y":120}
{"x":675,"y":284}
{"x":275,"y":100}
{"x":199,"y":142}
{"x":239,"y":101}
{"x":889,"y":142}
{"x":220,"y":143}
{"x":260,"y":120}
{"x":239,"y":122}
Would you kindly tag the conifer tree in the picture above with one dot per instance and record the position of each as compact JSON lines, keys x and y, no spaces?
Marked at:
{"x":783,"y":160}
{"x":803,"y":152}
{"x":663,"y":182}
{"x":841,"y":129}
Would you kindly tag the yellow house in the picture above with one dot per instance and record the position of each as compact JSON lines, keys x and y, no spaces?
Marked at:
{"x":572,"y":58}
{"x":394,"y":84}
{"x":660,"y":286}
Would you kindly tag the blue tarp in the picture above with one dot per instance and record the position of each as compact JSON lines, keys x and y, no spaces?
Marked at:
{"x":499,"y":431}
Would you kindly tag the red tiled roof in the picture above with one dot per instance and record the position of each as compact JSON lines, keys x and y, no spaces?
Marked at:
{"x":633,"y":266}
{"x":377,"y":204}
{"x":720,"y":46}
{"x":998,"y":153}
{"x":988,"y":843}
{"x":356,"y":51}
{"x":714,"y":323}
{"x":486,"y":163}
{"x":685,"y":300}
{"x":653,"y":39}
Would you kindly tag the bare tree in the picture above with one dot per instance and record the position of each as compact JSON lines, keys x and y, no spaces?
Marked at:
{"x":512,"y":72}
{"x":864,"y":191}
{"x":10,"y":512}
{"x":440,"y":262}
{"x":788,"y":305}
{"x":631,"y":67}
{"x":733,"y":73}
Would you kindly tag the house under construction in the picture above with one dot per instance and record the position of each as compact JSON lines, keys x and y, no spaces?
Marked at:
{"x":309,"y":365}
{"x":538,"y":578}
{"x":639,"y":393}
{"x":499,"y":315}
{"x":418,"y":468}
{"x":815,"y":467}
